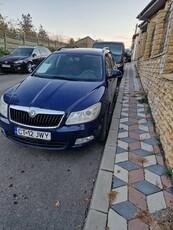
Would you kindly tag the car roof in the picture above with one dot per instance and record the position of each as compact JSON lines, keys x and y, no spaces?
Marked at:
{"x":83,"y":51}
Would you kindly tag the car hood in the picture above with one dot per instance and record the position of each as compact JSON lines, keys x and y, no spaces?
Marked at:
{"x":53,"y":94}
{"x":10,"y":58}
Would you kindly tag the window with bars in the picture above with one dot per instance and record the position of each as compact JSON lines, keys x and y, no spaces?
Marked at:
{"x":165,"y":28}
{"x":152,"y":41}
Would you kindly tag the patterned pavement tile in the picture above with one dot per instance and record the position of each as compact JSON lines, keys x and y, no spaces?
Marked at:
{"x":123,"y":134}
{"x":146,"y":187}
{"x":141,"y":152}
{"x":121,"y":157}
{"x":146,"y":147}
{"x":139,"y":131}
{"x":160,"y":160}
{"x":128,"y":140}
{"x":134,"y":135}
{"x":153,"y":178}
{"x":129,"y":123}
{"x":121,"y":196}
{"x":136,"y":176}
{"x":116,"y":182}
{"x":142,"y":121}
{"x":123,"y":126}
{"x":126,"y":209}
{"x":156,"y":202}
{"x":166,"y":182}
{"x":137,"y":224}
{"x":151,"y":141}
{"x":133,"y":127}
{"x":123,"y":144}
{"x":120,"y":150}
{"x":124,"y":120}
{"x":134,"y":145}
{"x":158,"y":169}
{"x":121,"y":130}
{"x":145,"y":136}
{"x":128,"y":165}
{"x":114,"y":219}
{"x":137,"y":198}
{"x":121,"y":173}
{"x":141,"y":114}
{"x":144,"y":128}
{"x":150,"y":160}
{"x":168,"y":199}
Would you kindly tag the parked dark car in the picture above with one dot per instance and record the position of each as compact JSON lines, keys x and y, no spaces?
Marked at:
{"x":117,"y":50}
{"x":65,"y":103}
{"x":22,"y":58}
{"x":127,"y":55}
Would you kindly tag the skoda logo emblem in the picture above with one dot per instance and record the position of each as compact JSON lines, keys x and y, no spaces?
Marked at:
{"x":32,"y":113}
{"x":6,"y":62}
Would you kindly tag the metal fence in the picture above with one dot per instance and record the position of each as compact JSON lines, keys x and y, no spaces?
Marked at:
{"x":10,"y":41}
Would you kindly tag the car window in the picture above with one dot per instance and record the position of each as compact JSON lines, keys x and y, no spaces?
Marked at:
{"x":22,"y":51}
{"x":115,"y":48}
{"x":36,"y":51}
{"x":82,"y":67}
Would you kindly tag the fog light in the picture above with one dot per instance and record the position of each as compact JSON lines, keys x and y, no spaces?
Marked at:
{"x":83,"y":140}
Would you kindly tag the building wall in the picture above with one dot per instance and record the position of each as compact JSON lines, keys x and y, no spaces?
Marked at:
{"x":155,"y":66}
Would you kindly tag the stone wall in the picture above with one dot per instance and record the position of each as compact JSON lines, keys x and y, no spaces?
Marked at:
{"x":155,"y":66}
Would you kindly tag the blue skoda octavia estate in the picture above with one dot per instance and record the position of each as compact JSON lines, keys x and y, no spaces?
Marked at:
{"x":65,"y":103}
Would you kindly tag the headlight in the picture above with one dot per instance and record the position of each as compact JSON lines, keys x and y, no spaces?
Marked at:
{"x":85,"y":115}
{"x":18,"y":62}
{"x":3,"y":107}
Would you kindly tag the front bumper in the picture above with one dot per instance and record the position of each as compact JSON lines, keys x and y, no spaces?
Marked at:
{"x":18,"y":67}
{"x":61,"y":138}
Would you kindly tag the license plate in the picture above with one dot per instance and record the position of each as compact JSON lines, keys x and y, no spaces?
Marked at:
{"x":6,"y":66}
{"x":32,"y":134}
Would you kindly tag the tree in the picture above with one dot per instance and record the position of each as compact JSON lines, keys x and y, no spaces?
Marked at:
{"x":3,"y":24}
{"x":42,"y":33}
{"x":26,"y":26}
{"x":71,"y":43}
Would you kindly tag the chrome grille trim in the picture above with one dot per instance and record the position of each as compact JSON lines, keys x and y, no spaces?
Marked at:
{"x":43,"y":119}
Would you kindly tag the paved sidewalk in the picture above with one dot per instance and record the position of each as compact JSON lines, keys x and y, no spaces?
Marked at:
{"x":131,"y":178}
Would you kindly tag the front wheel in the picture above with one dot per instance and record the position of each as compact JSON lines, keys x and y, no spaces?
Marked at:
{"x":29,"y":67}
{"x":105,"y":128}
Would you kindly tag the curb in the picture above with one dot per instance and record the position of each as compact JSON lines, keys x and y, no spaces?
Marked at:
{"x":99,"y":206}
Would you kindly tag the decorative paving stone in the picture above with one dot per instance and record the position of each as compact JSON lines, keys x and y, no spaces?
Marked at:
{"x":151,"y":141}
{"x":116,"y":182}
{"x":121,"y":157}
{"x":137,"y":198}
{"x":120,"y":150}
{"x":169,"y":199}
{"x":141,"y":152}
{"x":146,"y":147}
{"x":123,"y":144}
{"x":121,"y":173}
{"x":170,"y":190}
{"x":129,"y":123}
{"x":144,"y":128}
{"x":128,"y":140}
{"x":123,"y":134}
{"x":134,"y":145}
{"x":126,"y":209}
{"x":153,"y":178}
{"x":139,"y":131}
{"x":114,"y":219}
{"x":156,"y":202}
{"x":158,"y":169}
{"x":136,"y":176}
{"x":137,"y":224}
{"x":146,"y":187}
{"x":121,"y":194}
{"x":128,"y":165}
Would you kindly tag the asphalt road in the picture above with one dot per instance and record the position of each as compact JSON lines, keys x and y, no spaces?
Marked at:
{"x":44,"y":190}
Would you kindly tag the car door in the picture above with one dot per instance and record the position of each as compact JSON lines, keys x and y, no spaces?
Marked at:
{"x":36,"y":56}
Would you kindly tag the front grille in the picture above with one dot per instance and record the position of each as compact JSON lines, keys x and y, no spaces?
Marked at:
{"x":40,"y":120}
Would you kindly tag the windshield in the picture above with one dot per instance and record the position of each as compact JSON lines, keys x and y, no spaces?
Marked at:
{"x":115,"y":48}
{"x":71,"y":66}
{"x":22,"y":52}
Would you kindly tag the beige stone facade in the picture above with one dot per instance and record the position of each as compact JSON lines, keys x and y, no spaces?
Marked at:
{"x":154,"y":60}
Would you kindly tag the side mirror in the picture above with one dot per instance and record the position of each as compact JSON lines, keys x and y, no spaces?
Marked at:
{"x":34,"y":55}
{"x":33,"y":67}
{"x":115,"y":73}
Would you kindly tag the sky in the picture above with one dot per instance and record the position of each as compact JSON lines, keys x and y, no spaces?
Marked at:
{"x":108,"y":20}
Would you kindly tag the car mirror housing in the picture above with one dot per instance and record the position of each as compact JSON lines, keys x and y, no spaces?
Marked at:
{"x":33,"y":67}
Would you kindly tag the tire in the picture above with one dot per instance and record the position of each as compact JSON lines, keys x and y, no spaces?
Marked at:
{"x":104,"y":131}
{"x":29,"y":67}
